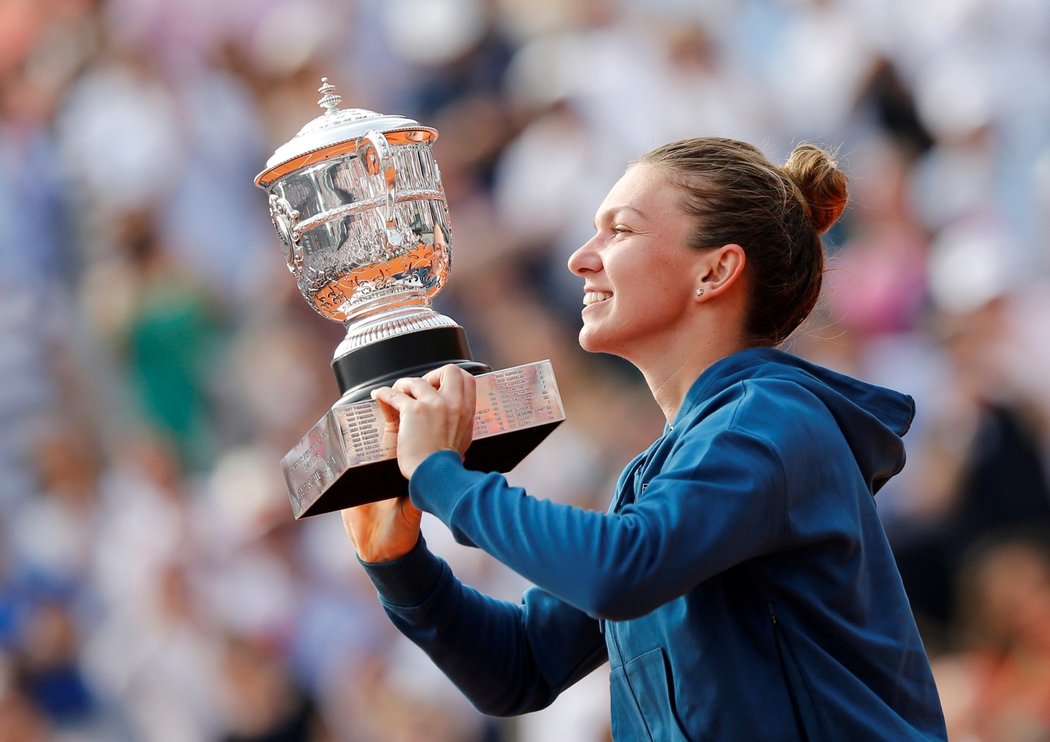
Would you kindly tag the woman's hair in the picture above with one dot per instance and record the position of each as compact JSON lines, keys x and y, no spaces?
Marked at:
{"x":776,"y":214}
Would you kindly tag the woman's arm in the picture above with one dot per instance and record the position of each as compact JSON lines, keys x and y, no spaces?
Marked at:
{"x":507,"y":659}
{"x":717,"y":501}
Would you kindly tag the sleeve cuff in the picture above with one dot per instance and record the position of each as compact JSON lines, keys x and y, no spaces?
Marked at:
{"x":439,"y":482}
{"x":408,"y":580}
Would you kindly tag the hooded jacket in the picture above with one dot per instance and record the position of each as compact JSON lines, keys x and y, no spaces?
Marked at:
{"x":740,"y":585}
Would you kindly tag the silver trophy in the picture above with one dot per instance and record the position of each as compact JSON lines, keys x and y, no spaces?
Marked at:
{"x":357,"y":202}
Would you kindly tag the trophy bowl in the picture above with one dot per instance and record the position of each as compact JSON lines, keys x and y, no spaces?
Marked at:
{"x":358,"y":205}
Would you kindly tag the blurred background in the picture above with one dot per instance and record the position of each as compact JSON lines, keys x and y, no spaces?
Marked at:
{"x":156,"y":360}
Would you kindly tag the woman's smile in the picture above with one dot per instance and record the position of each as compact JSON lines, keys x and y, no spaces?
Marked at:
{"x":595,"y":297}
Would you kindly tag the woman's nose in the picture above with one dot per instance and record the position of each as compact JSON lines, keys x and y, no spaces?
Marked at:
{"x":584,"y":259}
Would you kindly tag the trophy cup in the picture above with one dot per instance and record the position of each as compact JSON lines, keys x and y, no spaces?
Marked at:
{"x":357,"y":202}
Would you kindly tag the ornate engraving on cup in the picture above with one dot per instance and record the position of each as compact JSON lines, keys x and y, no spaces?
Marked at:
{"x":285,"y":221}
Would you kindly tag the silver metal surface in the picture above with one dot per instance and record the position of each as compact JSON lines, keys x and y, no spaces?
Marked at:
{"x":358,"y":204}
{"x":351,"y":436}
{"x":317,"y":139}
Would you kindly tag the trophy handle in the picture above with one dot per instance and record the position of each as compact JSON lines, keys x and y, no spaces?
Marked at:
{"x":286,"y":222}
{"x":378,"y":159}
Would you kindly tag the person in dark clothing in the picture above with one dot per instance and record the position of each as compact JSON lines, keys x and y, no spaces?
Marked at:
{"x":740,"y":584}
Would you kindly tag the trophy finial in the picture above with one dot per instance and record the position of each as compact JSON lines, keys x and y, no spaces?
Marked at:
{"x":329,"y":101}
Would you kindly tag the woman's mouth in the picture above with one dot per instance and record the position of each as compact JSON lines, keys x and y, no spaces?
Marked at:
{"x":594,"y":297}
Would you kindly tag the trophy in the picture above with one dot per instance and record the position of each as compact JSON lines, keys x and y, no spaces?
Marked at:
{"x":360,"y":211}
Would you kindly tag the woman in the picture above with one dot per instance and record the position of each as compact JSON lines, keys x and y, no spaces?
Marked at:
{"x":740,"y":584}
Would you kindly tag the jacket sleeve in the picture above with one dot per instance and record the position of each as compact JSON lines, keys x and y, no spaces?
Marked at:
{"x":717,"y":501}
{"x":507,"y":659}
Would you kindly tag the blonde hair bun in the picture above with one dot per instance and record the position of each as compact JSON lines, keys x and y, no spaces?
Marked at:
{"x":823,"y":187}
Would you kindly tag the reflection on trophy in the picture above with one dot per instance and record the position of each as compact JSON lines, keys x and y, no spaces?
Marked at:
{"x":357,"y":201}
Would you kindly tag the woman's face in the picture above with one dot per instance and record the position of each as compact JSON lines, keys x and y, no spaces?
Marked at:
{"x":640,"y":276}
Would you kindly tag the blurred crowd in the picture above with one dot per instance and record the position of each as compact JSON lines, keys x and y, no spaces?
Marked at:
{"x":157,"y":360}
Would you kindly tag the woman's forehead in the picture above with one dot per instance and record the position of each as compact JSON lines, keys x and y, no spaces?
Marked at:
{"x":643,"y":189}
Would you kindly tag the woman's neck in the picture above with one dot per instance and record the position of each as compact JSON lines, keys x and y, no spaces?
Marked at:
{"x":671,"y":375}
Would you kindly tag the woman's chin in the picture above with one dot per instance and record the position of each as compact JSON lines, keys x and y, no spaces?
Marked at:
{"x":587,"y":340}
{"x":591,"y":341}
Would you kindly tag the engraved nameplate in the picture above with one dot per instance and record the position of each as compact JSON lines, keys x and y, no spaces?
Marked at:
{"x":345,"y":459}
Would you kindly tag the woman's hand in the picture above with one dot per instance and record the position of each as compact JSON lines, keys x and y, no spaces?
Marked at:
{"x":387,"y":529}
{"x":384,"y":530}
{"x":435,"y":413}
{"x":423,"y":416}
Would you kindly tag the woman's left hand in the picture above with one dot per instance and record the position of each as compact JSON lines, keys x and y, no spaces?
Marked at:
{"x":436,"y":413}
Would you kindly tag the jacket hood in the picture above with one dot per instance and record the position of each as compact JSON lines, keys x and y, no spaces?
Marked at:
{"x":873,"y":419}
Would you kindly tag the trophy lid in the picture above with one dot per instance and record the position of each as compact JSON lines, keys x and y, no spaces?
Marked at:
{"x":336,"y":132}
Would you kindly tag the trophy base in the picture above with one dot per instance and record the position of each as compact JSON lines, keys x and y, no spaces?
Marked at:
{"x":344,"y":460}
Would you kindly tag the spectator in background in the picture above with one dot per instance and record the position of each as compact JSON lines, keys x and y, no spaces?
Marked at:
{"x":998,"y":683}
{"x":163,"y":325}
{"x":983,"y":453}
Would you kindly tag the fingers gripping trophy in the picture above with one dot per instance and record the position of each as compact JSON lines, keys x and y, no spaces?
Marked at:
{"x":360,"y":211}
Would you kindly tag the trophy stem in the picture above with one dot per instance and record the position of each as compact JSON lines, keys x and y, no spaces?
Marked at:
{"x":388,"y":316}
{"x":378,"y":364}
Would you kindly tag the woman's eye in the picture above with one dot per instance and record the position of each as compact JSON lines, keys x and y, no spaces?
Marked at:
{"x":620,"y":229}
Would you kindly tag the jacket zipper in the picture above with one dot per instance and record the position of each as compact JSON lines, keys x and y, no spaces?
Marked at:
{"x":804,"y":730}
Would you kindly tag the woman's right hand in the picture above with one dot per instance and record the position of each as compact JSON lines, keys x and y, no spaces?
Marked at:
{"x":384,"y":530}
{"x":387,"y":529}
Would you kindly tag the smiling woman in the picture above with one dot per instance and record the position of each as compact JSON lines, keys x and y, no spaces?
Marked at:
{"x":639,"y":276}
{"x":740,"y":584}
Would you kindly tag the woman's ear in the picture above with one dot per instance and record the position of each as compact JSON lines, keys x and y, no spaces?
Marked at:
{"x":720,"y":269}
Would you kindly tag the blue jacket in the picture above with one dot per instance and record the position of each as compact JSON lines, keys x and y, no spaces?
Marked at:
{"x":741,"y":585}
